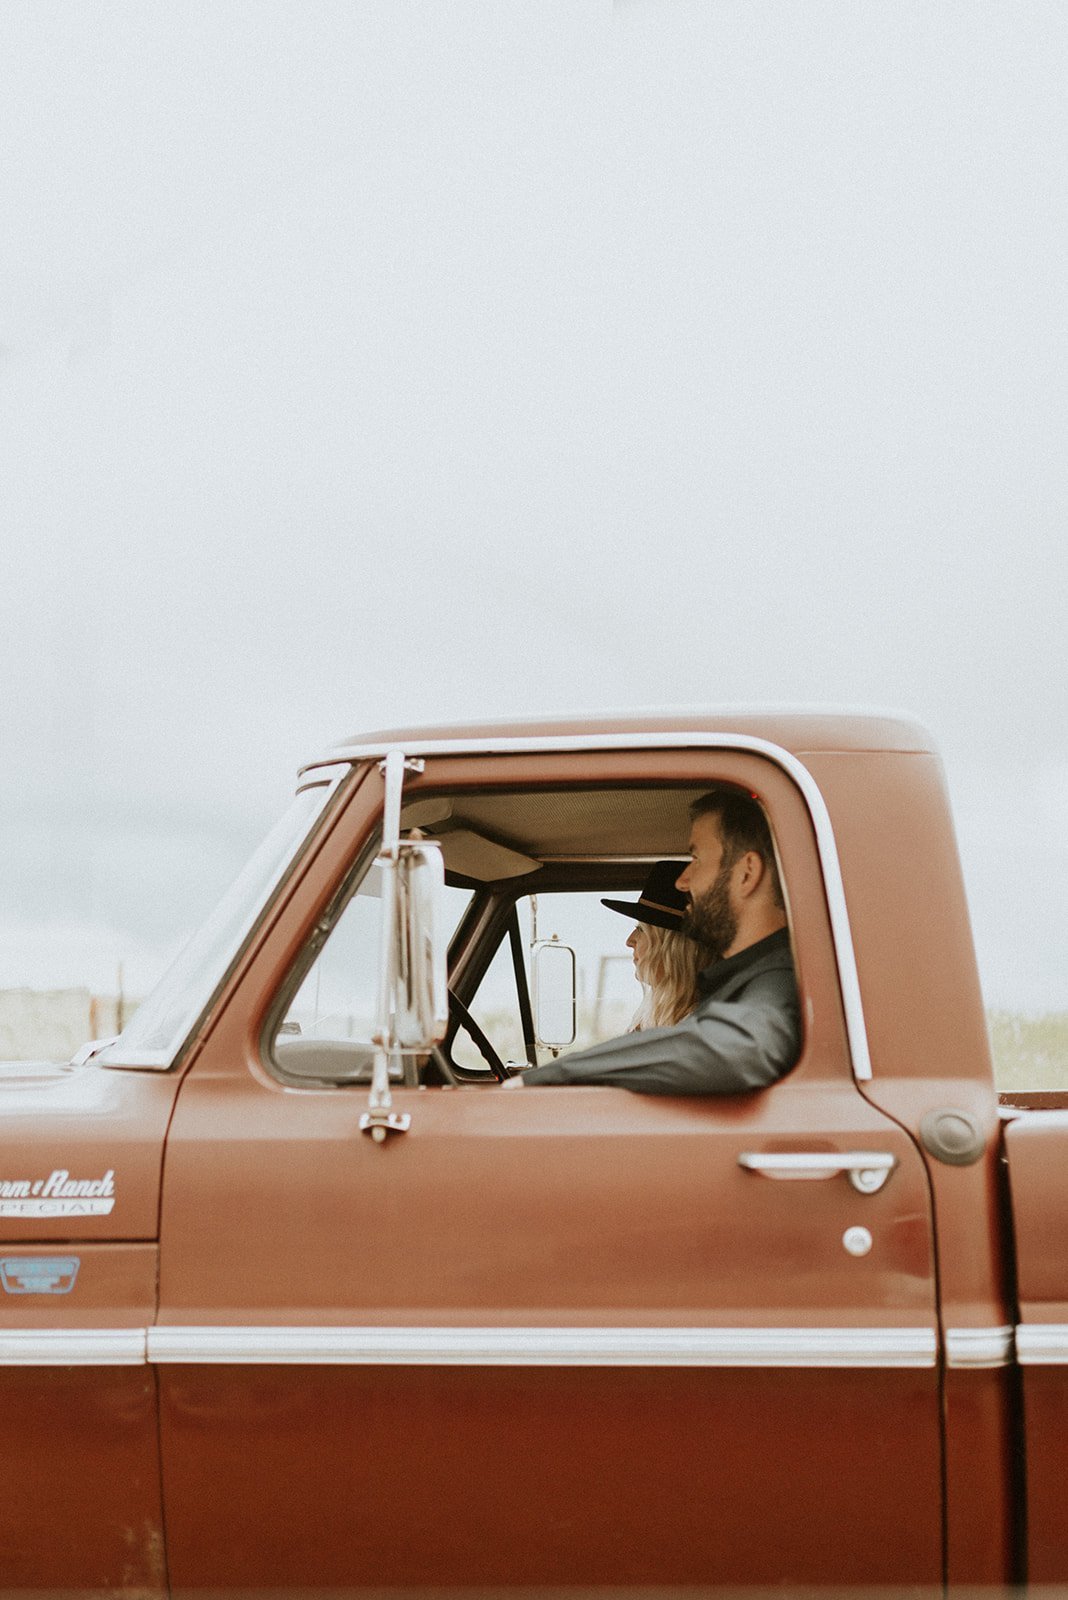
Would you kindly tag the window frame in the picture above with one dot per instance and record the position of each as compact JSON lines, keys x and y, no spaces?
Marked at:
{"x":453,"y":772}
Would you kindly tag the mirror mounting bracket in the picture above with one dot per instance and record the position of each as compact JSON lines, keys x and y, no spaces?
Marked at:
{"x":381,"y":1122}
{"x":380,"y":1118}
{"x":393,"y":768}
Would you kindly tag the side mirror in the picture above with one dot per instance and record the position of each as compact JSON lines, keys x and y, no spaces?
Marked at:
{"x":553,"y":993}
{"x":420,"y":999}
{"x":413,"y":996}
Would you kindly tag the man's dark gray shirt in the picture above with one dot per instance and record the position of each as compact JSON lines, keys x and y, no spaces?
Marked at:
{"x":744,"y":1033}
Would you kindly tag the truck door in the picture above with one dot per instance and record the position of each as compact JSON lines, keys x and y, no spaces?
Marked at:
{"x":566,"y":1336}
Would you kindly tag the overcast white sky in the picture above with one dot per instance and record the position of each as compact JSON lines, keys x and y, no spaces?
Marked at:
{"x":366,"y":363}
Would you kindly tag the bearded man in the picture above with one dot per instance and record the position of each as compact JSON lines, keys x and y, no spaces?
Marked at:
{"x":745,"y":1031}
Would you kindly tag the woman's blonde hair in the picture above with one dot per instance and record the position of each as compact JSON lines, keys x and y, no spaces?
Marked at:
{"x":668,"y":974}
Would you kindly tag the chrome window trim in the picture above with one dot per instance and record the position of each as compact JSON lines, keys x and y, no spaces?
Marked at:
{"x":1042,"y":1344}
{"x":826,"y":846}
{"x":553,"y":1347}
{"x":73,"y":1347}
{"x":980,"y":1347}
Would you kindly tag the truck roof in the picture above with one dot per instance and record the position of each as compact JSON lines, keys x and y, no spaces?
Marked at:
{"x":797,"y":729}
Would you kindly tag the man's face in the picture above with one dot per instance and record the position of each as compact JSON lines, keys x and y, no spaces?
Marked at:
{"x":710,"y":916}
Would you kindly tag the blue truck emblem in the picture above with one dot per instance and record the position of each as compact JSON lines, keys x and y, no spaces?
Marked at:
{"x":39,"y":1274}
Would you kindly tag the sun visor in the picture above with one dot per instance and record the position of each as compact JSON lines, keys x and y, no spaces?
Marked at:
{"x":473,"y":856}
{"x":425,"y":813}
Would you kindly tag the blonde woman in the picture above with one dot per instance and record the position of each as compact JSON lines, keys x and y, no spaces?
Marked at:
{"x":666,"y":960}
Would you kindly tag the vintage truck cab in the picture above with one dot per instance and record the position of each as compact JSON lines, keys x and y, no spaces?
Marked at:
{"x":295,"y":1296}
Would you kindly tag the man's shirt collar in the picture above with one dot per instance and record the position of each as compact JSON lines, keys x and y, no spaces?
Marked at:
{"x":712,"y":978}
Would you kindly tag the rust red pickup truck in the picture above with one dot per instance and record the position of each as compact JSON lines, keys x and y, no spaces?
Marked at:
{"x":293,"y":1296}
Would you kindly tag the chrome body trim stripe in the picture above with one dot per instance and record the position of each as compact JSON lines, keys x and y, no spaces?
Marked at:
{"x":1042,"y":1344}
{"x":553,"y":1347}
{"x":73,"y":1347}
{"x":980,"y":1347}
{"x":684,"y":740}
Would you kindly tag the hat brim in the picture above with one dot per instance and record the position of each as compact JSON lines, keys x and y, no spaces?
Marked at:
{"x":639,"y":913}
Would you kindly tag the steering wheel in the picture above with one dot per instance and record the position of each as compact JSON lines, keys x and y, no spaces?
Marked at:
{"x":481,"y":1043}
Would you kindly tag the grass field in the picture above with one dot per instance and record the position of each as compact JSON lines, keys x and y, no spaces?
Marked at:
{"x":1029,"y":1052}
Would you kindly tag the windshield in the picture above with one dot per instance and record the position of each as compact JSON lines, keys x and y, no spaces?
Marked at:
{"x":162,"y":1023}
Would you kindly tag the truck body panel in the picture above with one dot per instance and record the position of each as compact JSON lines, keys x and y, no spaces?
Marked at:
{"x":320,"y":1361}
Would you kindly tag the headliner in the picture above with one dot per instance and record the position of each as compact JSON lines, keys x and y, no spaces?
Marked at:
{"x":479,"y":832}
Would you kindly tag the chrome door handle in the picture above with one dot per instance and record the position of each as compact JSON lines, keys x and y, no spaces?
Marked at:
{"x":867,"y":1170}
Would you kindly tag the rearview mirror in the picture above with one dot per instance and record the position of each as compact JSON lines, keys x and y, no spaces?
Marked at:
{"x":553,"y":993}
{"x":420,"y":1001}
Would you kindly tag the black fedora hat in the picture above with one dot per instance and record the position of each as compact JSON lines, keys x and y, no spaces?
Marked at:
{"x":660,"y":902}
